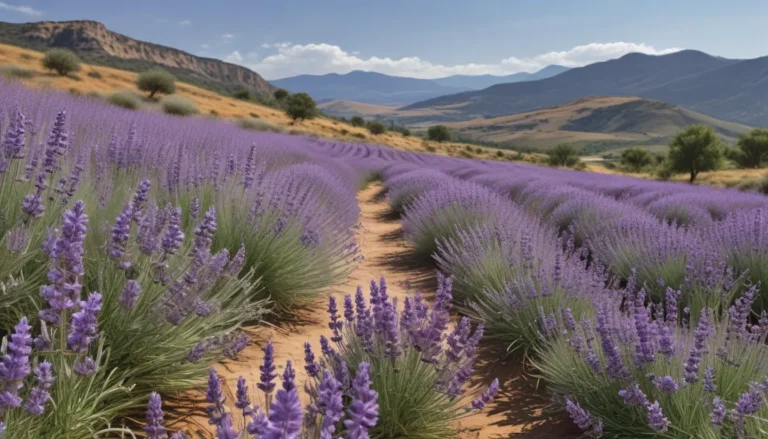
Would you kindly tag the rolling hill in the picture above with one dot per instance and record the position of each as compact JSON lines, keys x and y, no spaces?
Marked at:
{"x":96,"y":44}
{"x":594,"y":124}
{"x":366,"y":87}
{"x":484,"y":81}
{"x":734,"y":90}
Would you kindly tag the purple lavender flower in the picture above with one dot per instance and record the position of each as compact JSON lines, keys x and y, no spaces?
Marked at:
{"x":15,"y":364}
{"x":130,"y":294}
{"x":17,"y":240}
{"x":749,"y":403}
{"x":656,"y":419}
{"x":85,"y":366}
{"x":329,"y":402}
{"x":710,"y":382}
{"x":615,"y":367}
{"x":238,"y":261}
{"x":57,"y":143}
{"x":225,"y":429}
{"x":364,"y":409}
{"x":139,"y":199}
{"x":250,"y":169}
{"x":204,"y":233}
{"x":699,"y":347}
{"x":267,"y":369}
{"x":457,"y":339}
{"x":289,"y":375}
{"x":349,"y":310}
{"x":717,"y":415}
{"x":84,"y":322}
{"x":215,"y":397}
{"x":121,"y":232}
{"x":39,"y":395}
{"x":33,"y":206}
{"x":459,"y":379}
{"x":243,"y":401}
{"x":154,"y":426}
{"x":237,"y":345}
{"x":335,"y":324}
{"x":487,"y":397}
{"x":634,"y":395}
{"x":174,"y":236}
{"x":285,"y":415}
{"x":581,"y":417}
{"x":666,"y":384}
{"x":643,"y":350}
{"x":309,"y":359}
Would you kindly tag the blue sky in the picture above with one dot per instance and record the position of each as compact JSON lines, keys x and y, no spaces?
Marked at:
{"x":420,"y":38}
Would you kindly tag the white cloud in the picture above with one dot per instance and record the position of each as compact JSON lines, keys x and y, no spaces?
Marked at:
{"x":185,"y":22}
{"x":228,"y":36}
{"x":320,"y":58}
{"x":27,"y":10}
{"x":234,"y":57}
{"x":204,"y":46}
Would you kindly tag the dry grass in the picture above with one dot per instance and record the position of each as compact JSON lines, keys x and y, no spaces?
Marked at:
{"x":722,"y":178}
{"x":111,"y":80}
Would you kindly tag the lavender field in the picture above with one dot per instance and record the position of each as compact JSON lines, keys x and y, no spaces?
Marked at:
{"x":139,"y":250}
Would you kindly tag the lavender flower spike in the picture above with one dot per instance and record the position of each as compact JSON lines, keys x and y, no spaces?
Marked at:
{"x":154,"y":426}
{"x":15,"y":364}
{"x":285,"y":414}
{"x":656,"y":419}
{"x":130,"y":294}
{"x":580,"y":416}
{"x":364,"y":409}
{"x":84,"y":323}
{"x":243,"y":400}
{"x":309,"y":359}
{"x":267,"y":369}
{"x":39,"y":395}
{"x":487,"y":397}
{"x":329,"y":401}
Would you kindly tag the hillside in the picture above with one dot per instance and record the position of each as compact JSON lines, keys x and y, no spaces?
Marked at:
{"x":734,"y":90}
{"x":94,"y":43}
{"x":214,"y":105}
{"x":595,"y":124}
{"x":478,"y":82}
{"x":366,"y":87}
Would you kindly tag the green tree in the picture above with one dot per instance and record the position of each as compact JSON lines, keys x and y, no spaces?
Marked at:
{"x":376,"y":127}
{"x":438,"y":133}
{"x":635,"y":159}
{"x":563,"y":155}
{"x":243,"y":94}
{"x":156,"y":81}
{"x":357,"y":121}
{"x":694,"y":149}
{"x":754,"y":148}
{"x":300,"y":106}
{"x":280,"y":94}
{"x":62,"y":61}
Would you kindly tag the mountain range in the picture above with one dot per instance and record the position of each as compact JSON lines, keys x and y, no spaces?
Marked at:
{"x":380,"y":89}
{"x":729,"y":89}
{"x":96,"y":44}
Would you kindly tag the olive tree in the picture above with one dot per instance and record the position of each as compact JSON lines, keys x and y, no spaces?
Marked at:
{"x":694,"y":149}
{"x":62,"y":61}
{"x":156,"y":81}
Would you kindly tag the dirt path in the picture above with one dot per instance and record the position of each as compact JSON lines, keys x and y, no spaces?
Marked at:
{"x":518,"y":411}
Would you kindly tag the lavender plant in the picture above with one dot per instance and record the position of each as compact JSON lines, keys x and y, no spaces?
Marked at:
{"x":641,"y":374}
{"x":418,"y":365}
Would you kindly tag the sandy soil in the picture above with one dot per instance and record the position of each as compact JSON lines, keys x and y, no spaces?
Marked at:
{"x":521,"y":409}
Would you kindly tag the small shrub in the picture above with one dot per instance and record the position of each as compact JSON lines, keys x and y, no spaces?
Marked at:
{"x":156,"y":81}
{"x":430,"y":148}
{"x":280,"y":94}
{"x":499,"y":154}
{"x":478,"y":150}
{"x":635,"y":159}
{"x":94,"y":74}
{"x":214,"y":113}
{"x":258,"y":125}
{"x":563,"y":155}
{"x":300,"y":106}
{"x":254,"y":115}
{"x":438,"y":133}
{"x":359,"y":135}
{"x":178,"y":105}
{"x":26,"y":57}
{"x":243,"y":94}
{"x":344,"y":132}
{"x":376,"y":128}
{"x":62,"y":61}
{"x":125,"y":99}
{"x":357,"y":121}
{"x":14,"y":71}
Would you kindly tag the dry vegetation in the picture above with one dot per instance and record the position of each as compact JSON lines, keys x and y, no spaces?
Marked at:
{"x":104,"y":81}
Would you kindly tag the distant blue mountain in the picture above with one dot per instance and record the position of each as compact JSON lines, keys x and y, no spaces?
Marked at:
{"x":368,"y":87}
{"x":377,"y":88}
{"x":484,"y":81}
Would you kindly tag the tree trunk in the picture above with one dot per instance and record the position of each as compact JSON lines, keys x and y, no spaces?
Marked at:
{"x":693,"y":176}
{"x":152,"y":93}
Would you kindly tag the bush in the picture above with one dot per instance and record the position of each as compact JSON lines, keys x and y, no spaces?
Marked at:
{"x":259,"y":125}
{"x":178,"y":105}
{"x":13,"y":71}
{"x":280,"y":94}
{"x":62,"y":61}
{"x":694,"y":149}
{"x":94,"y":74}
{"x":243,"y":94}
{"x":376,"y":128}
{"x":563,"y":155}
{"x":357,"y":121}
{"x":631,"y":375}
{"x":125,"y":99}
{"x":438,"y":133}
{"x":300,"y":106}
{"x":156,"y":81}
{"x":359,"y":135}
{"x":635,"y":159}
{"x":754,"y":148}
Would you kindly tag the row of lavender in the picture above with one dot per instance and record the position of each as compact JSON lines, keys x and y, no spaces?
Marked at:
{"x":616,"y":306}
{"x":134,"y":246}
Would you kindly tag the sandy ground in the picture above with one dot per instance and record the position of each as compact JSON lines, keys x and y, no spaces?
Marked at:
{"x":519,"y":411}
